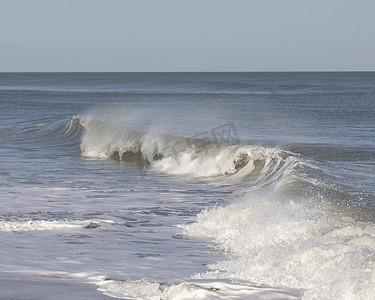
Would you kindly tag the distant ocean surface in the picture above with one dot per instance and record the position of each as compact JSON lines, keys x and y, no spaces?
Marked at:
{"x":190,"y":185}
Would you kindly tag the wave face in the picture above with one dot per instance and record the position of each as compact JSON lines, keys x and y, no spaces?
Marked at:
{"x":55,"y":137}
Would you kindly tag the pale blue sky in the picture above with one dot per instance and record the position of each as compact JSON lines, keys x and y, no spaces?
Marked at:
{"x":191,"y":35}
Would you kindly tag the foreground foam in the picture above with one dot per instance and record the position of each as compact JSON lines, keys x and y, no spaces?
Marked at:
{"x":278,"y":242}
{"x":143,"y":289}
{"x":31,"y":225}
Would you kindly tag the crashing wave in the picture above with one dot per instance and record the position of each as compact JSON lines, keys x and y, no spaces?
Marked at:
{"x":180,"y":155}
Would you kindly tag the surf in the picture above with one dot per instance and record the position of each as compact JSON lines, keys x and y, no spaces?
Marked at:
{"x":291,"y":224}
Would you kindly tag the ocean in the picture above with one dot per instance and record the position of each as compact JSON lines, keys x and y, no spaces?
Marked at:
{"x":187,"y":185}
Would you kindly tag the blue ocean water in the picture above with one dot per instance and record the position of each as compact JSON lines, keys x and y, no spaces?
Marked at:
{"x":169,"y":184}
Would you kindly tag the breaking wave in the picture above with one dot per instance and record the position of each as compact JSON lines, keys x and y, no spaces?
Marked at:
{"x":180,"y":155}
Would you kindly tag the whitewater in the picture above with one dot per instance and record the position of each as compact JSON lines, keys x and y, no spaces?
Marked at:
{"x":188,"y":185}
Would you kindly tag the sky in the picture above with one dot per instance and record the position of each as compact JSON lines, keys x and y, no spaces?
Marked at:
{"x":186,"y":35}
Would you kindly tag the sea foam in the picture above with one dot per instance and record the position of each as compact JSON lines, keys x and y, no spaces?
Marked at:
{"x":143,"y":289}
{"x":288,"y":242}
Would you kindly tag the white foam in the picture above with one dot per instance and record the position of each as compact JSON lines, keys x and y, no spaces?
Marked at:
{"x":276,"y":242}
{"x":218,"y":160}
{"x":30,"y":225}
{"x":146,"y":290}
{"x":40,"y":225}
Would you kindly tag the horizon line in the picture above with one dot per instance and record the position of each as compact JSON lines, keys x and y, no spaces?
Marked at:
{"x":278,"y":71}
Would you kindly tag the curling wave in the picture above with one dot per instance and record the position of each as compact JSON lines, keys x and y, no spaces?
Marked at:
{"x":180,"y":155}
